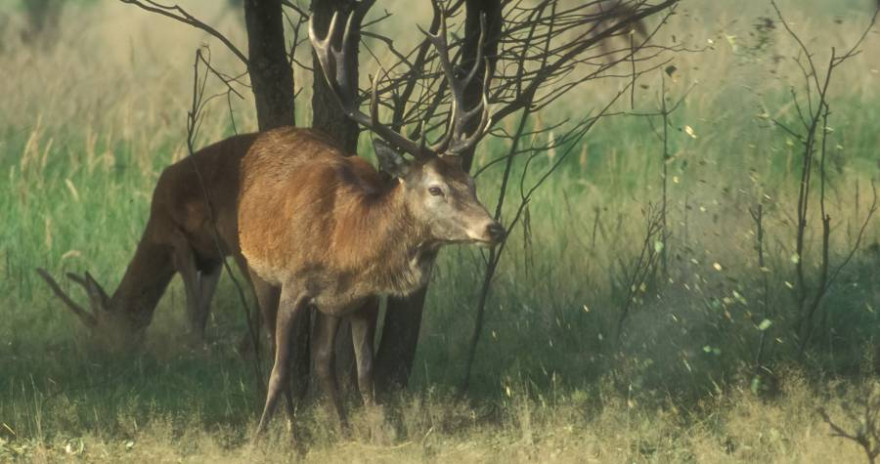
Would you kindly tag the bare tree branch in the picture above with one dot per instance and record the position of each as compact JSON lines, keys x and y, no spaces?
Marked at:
{"x":177,"y":13}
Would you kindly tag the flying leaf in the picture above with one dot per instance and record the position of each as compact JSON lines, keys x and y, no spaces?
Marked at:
{"x":658,"y":246}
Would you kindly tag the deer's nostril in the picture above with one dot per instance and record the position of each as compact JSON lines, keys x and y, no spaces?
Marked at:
{"x":496,"y":232}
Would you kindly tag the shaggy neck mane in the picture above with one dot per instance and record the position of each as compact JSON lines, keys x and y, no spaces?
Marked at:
{"x":377,"y":237}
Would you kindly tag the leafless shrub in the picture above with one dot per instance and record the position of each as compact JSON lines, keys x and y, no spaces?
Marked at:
{"x":545,"y":51}
{"x":811,"y":128}
{"x":632,"y":276}
{"x":862,"y":424}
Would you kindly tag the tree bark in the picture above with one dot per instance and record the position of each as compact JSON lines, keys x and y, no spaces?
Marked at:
{"x":475,"y":9}
{"x":269,"y":70}
{"x":328,"y":117}
{"x":403,"y":316}
{"x":326,"y":114}
{"x":400,"y":336}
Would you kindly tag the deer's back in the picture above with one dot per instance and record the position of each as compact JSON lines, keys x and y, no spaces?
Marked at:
{"x":299,"y":196}
{"x":180,"y":194}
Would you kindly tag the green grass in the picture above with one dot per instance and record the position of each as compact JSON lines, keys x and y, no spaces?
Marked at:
{"x":89,"y":124}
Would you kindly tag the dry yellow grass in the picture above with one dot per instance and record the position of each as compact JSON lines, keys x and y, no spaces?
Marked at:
{"x":734,"y":427}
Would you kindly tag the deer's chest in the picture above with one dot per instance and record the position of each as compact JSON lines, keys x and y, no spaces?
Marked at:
{"x":413,"y":275}
{"x":341,"y":292}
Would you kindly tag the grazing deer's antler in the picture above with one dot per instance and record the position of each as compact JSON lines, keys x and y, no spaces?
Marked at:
{"x":89,"y":318}
{"x":97,"y":296}
{"x":336,"y":63}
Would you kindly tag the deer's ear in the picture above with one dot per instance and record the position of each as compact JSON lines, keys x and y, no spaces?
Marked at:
{"x":390,"y":160}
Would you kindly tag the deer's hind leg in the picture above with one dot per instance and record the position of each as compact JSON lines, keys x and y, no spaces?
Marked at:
{"x":250,"y":341}
{"x":326,"y":327}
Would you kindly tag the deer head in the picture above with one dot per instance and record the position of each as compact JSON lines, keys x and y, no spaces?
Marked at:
{"x":441,"y":196}
{"x":437,"y":191}
{"x":102,"y":320}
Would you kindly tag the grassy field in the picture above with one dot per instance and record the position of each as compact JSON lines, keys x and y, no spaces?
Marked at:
{"x":87,"y":125}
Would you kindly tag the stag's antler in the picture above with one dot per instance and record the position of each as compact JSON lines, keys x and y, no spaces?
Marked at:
{"x":337,"y":65}
{"x":456,"y":139}
{"x":97,"y":296}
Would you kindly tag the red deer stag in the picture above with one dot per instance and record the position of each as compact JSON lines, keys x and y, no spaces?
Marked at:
{"x":328,"y":232}
{"x":179,"y":237}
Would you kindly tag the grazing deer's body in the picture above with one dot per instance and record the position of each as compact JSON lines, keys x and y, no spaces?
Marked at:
{"x":331,"y":233}
{"x":179,"y":238}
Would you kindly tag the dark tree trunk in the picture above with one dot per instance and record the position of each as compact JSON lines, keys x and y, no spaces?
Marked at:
{"x":328,"y":117}
{"x":403,"y":316}
{"x":326,"y":114}
{"x":491,"y":10}
{"x":270,"y":73}
{"x":400,"y":335}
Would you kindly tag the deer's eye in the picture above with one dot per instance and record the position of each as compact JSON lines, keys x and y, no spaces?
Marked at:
{"x":435,"y":191}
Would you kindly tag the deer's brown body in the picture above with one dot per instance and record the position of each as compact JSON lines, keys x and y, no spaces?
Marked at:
{"x":329,"y":232}
{"x":336,"y":225}
{"x":179,"y":238}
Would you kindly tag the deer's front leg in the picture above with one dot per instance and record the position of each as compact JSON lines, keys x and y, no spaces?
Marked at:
{"x":363,"y":331}
{"x":268,"y":296}
{"x":292,"y":307}
{"x":207,"y":285}
{"x":185,"y":263}
{"x":323,"y":343}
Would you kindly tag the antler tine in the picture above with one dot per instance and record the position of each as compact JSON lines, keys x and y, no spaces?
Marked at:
{"x":343,"y":72}
{"x":95,"y":288}
{"x":337,"y":73}
{"x":440,"y":147}
{"x":80,"y":280}
{"x":456,"y":140}
{"x":322,"y":46}
{"x":374,"y":99}
{"x":87,"y":318}
{"x":332,"y":61}
{"x":481,"y":42}
{"x":438,"y":41}
{"x":466,"y":142}
{"x":97,"y":296}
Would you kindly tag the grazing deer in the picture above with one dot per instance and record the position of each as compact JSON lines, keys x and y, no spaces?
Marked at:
{"x":329,"y":232}
{"x":180,"y":236}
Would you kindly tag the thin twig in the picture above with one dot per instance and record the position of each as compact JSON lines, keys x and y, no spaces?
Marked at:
{"x":177,"y":13}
